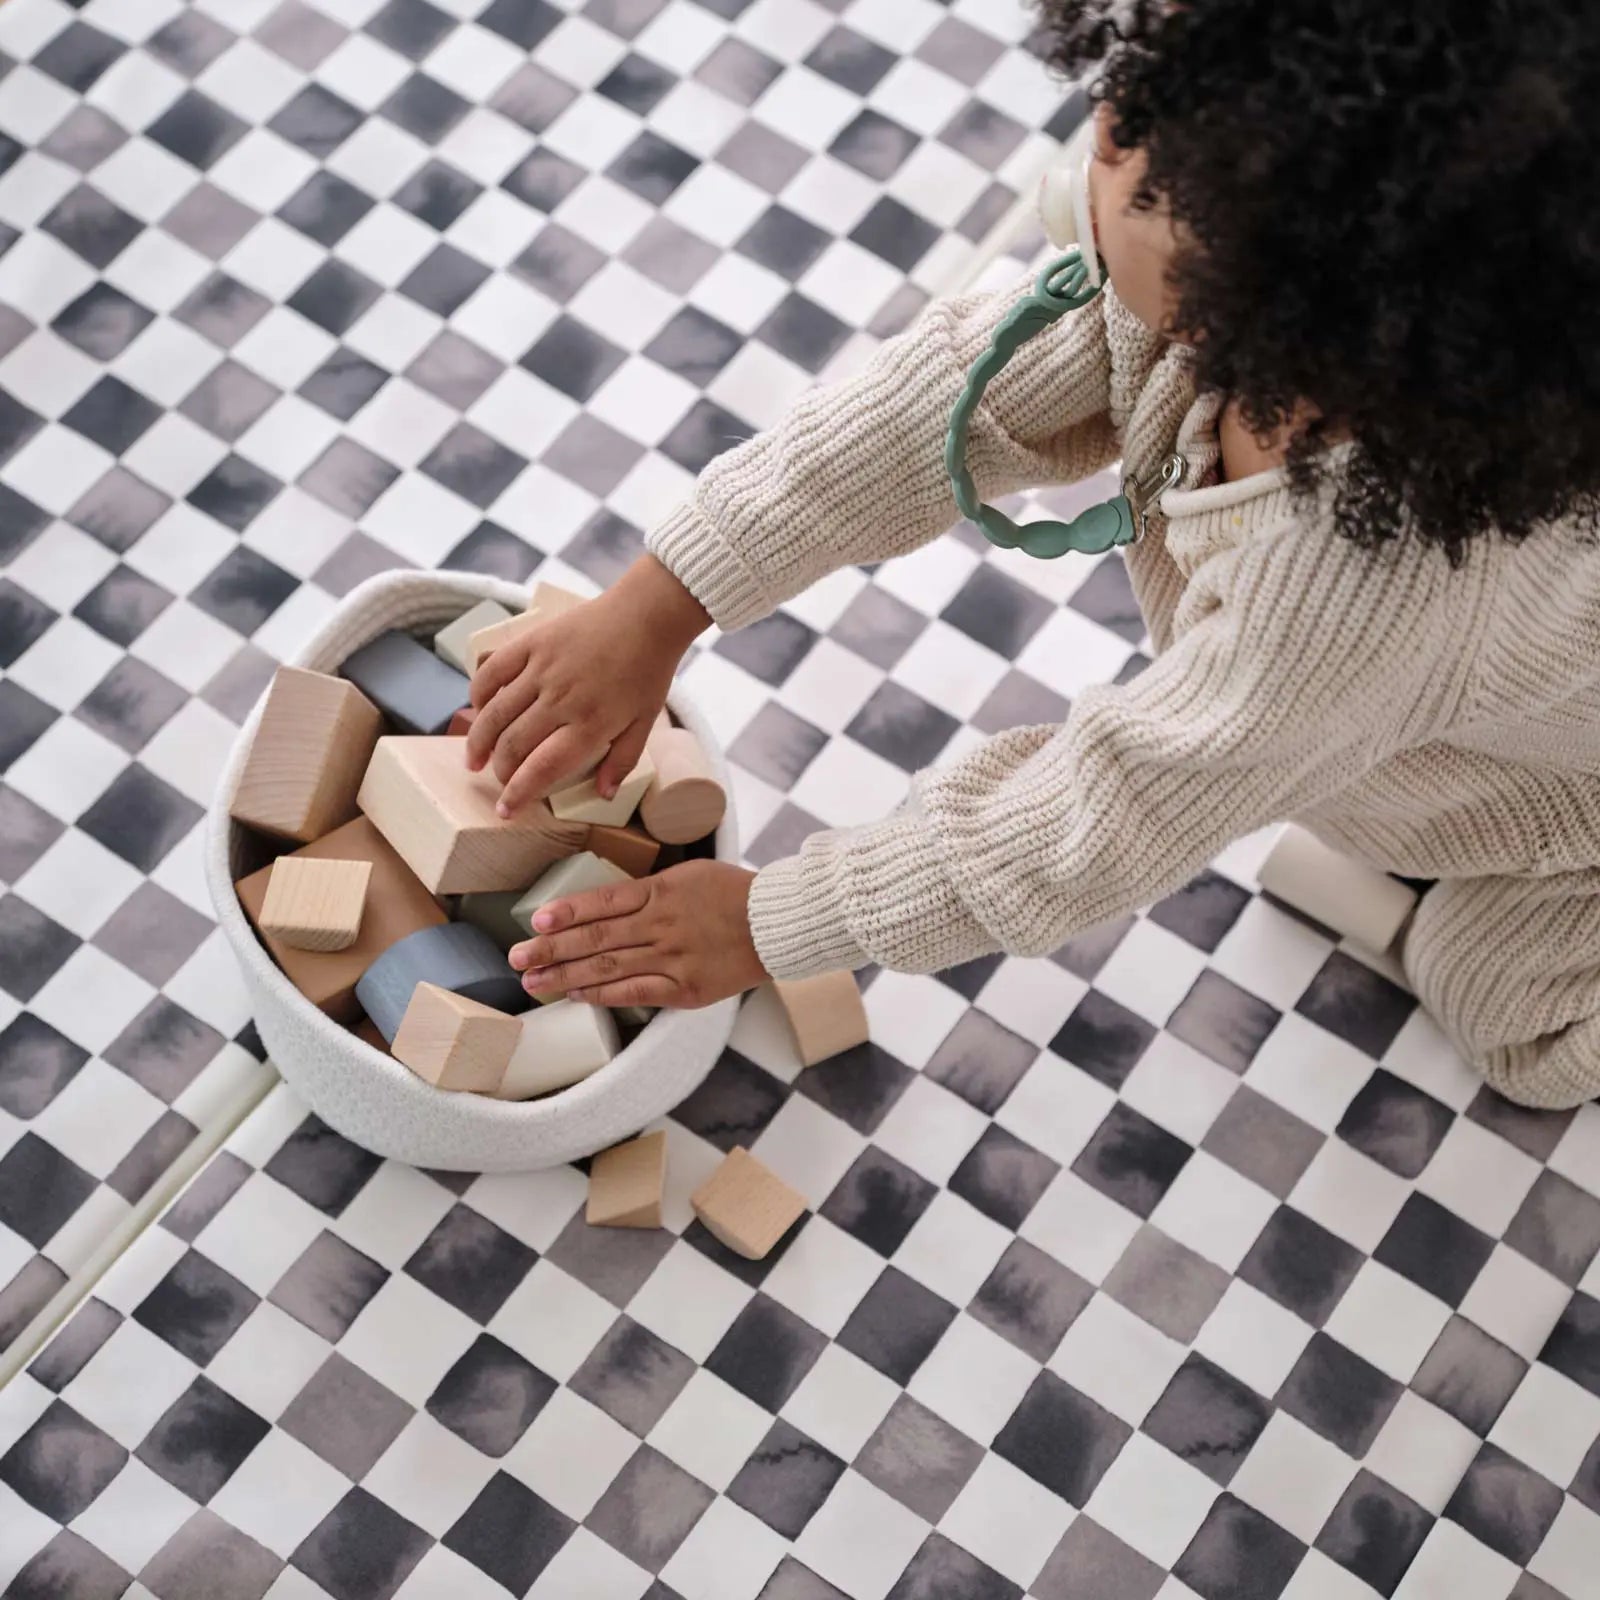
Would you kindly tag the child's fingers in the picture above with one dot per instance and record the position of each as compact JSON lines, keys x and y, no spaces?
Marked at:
{"x":563,"y":754}
{"x":593,"y":905}
{"x":623,"y":757}
{"x":523,"y":736}
{"x":496,"y":715}
{"x":642,"y":991}
{"x":587,"y":939}
{"x":610,"y":966}
{"x":496,"y":670}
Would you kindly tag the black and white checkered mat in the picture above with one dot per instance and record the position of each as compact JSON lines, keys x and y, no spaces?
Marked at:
{"x":1188,"y":1262}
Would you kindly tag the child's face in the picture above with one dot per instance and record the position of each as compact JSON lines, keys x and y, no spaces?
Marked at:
{"x":1136,"y":246}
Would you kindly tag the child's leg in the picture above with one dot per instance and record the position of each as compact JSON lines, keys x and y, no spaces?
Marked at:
{"x":1510,"y":967}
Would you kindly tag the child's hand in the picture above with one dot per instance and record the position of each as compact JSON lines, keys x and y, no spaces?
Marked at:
{"x":680,"y":938}
{"x":583,"y":686}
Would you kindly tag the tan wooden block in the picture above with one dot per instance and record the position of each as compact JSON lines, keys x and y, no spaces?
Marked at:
{"x":825,"y":1014}
{"x":453,"y":1042}
{"x":315,"y":904}
{"x":582,"y":802}
{"x":486,"y":641}
{"x":397,"y":906}
{"x":684,"y":801}
{"x":561,"y":1044}
{"x":625,"y":1184}
{"x":305,"y":764}
{"x":550,"y":599}
{"x":746,"y":1206}
{"x":630,"y":848}
{"x":461,"y":723}
{"x":451,"y":641}
{"x":441,"y":819}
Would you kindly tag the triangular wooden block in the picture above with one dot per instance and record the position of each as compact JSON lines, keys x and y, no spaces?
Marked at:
{"x":625,"y":1184}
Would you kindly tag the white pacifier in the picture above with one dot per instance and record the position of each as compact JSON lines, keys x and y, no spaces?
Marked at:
{"x":1064,"y":198}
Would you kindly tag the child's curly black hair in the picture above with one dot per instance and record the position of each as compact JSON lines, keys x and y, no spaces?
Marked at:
{"x":1395,"y":215}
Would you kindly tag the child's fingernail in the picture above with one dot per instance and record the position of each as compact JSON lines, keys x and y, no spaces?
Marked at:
{"x":501,"y":809}
{"x":544,"y":921}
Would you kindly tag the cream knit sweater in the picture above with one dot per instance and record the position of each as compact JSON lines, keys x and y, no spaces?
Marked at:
{"x":1436,"y":723}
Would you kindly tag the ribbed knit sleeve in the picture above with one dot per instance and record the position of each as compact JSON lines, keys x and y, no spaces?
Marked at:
{"x":855,"y":473}
{"x":1300,"y":663}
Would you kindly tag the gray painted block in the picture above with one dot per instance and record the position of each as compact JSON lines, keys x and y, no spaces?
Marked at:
{"x":490,"y":909}
{"x":417,"y":691}
{"x":456,"y":956}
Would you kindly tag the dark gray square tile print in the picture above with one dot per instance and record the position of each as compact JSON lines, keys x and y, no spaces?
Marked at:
{"x":1396,"y":1124}
{"x":236,"y":493}
{"x":998,"y":611}
{"x":650,"y":1509}
{"x":1359,"y":1005}
{"x":1106,"y":597}
{"x":471,"y":1263}
{"x":1301,"y":1265}
{"x":1557,"y":1225}
{"x":986,"y":135}
{"x":190,"y":43}
{"x":652,"y":167}
{"x":733,"y":1104}
{"x":362,"y":1549}
{"x":40,"y":1189}
{"x":1104,"y":1039}
{"x":786,"y":1479}
{"x":489,"y":549}
{"x":346,"y":1416}
{"x":783,"y":242}
{"x":78,"y":56}
{"x":1003,"y":1177}
{"x":1256,"y":1136}
{"x":981,"y":1061}
{"x":151,"y":1156}
{"x":62,"y":1463}
{"x":328,"y":1286}
{"x":316,"y":120}
{"x":592,"y":454}
{"x":68,"y":1352}
{"x":102,"y":322}
{"x":491,"y":1396}
{"x":26,"y":830}
{"x":205,"y":1195}
{"x":1167,"y":1284}
{"x":895,"y":233}
{"x":153,"y":933}
{"x":1092,"y":1564}
{"x":36,"y":1064}
{"x":344,"y":383}
{"x":614,"y":1262}
{"x":544,"y":180}
{"x":112,"y":415}
{"x":223,"y":309}
{"x":777,"y":746}
{"x":738,"y":71}
{"x":509,"y":1533}
{"x":770,"y":649}
{"x":919,"y":1458}
{"x":334,"y":297}
{"x":1585,"y":1487}
{"x":1030,"y":1299}
{"x":1505,"y":1504}
{"x":23,"y":720}
{"x":1223,"y":1021}
{"x":196,"y":1307}
{"x":1375,"y":1532}
{"x":1203,"y":910}
{"x":1062,"y":1439}
{"x":120,"y":607}
{"x":69,"y":1565}
{"x":789,"y":828}
{"x":1131,"y":1160}
{"x":24,"y":619}
{"x":1434,"y":1248}
{"x":1469,"y":1374}
{"x":437,"y":193}
{"x":804,"y":332}
{"x":1573,"y":1347}
{"x":632,"y":1375}
{"x":766,"y":1352}
{"x":207,"y":1552}
{"x":902,"y":727}
{"x":320,"y":1166}
{"x":1239,"y":1554}
{"x":209,"y":221}
{"x":472,"y":464}
{"x":1339,"y":1394}
{"x":1535,"y":1133}
{"x":21,"y":522}
{"x":790,"y":1581}
{"x":413,"y":27}
{"x":131,"y":704}
{"x":92,"y":226}
{"x":879,"y":627}
{"x":1019,"y":701}
{"x":702,"y":434}
{"x":604,"y":548}
{"x":445,"y":280}
{"x":356,"y":560}
{"x":532,"y":97}
{"x":878,"y":1201}
{"x":859,"y":1086}
{"x":1208,"y":1418}
{"x":941,"y":1570}
{"x":202,"y":1439}
{"x":637,"y":84}
{"x":849,"y":60}
{"x":766,"y":158}
{"x":896,"y":1325}
{"x":164,"y":1048}
{"x":572,"y":358}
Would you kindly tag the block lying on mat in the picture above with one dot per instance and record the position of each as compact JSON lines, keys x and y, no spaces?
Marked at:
{"x":625,"y":1184}
{"x":397,"y":905}
{"x":315,"y":904}
{"x":745,"y":1206}
{"x":454,"y":1042}
{"x":305,"y":764}
{"x":684,"y":801}
{"x":441,"y":819}
{"x":825,"y":1014}
{"x":450,"y":642}
{"x":455,"y":956}
{"x":417,"y":691}
{"x":560,"y":1044}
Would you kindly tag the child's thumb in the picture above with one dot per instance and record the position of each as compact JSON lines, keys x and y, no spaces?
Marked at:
{"x":622,"y":758}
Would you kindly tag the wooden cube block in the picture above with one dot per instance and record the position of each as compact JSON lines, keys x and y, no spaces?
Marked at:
{"x":315,"y":904}
{"x":305,"y":764}
{"x":396,"y":905}
{"x":461,"y":723}
{"x":454,"y":956}
{"x":747,"y":1207}
{"x":450,"y":642}
{"x":546,"y":601}
{"x":575,"y":875}
{"x":625,"y":1184}
{"x":561,"y":1044}
{"x":581,"y":801}
{"x":417,"y":691}
{"x":441,"y":818}
{"x":454,"y":1042}
{"x":632,"y":849}
{"x":684,"y":801}
{"x":825,"y":1014}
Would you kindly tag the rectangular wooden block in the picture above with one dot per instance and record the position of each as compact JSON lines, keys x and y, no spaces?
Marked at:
{"x":581,"y":801}
{"x":454,"y":1042}
{"x":441,"y":818}
{"x":746,"y":1206}
{"x":575,"y":875}
{"x":397,"y":905}
{"x":825,"y":1014}
{"x":625,"y":1184}
{"x":417,"y":691}
{"x":546,"y":601}
{"x":632,"y":849}
{"x":310,"y":749}
{"x":450,"y":642}
{"x":314,"y":904}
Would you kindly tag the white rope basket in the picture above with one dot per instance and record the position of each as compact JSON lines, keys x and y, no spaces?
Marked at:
{"x":365,"y":1094}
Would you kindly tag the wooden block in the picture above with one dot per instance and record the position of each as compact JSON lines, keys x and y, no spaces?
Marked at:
{"x":550,"y":599}
{"x":491,"y":911}
{"x":454,"y":956}
{"x":575,"y":875}
{"x":315,"y":904}
{"x":441,"y":818}
{"x":684,"y":801}
{"x":746,"y":1207}
{"x":581,"y":801}
{"x":632,"y":849}
{"x":547,"y":601}
{"x":825,"y":1014}
{"x":417,"y":691}
{"x":625,"y":1184}
{"x":560,"y":1044}
{"x":461,"y":723}
{"x":454,"y":1042}
{"x":397,"y":905}
{"x":305,"y":764}
{"x":368,"y":1034}
{"x":450,"y":642}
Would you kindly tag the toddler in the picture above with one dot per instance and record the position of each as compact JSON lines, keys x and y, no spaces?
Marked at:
{"x":1353,"y":316}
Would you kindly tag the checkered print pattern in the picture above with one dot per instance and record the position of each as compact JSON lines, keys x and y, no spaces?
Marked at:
{"x":1187,"y":1262}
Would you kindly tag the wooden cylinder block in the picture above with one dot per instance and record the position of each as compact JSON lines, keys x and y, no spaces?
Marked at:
{"x":454,"y":956}
{"x":560,"y":1044}
{"x":684,"y":801}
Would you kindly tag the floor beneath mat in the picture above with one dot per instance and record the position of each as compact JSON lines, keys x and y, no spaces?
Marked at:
{"x":1189,"y":1261}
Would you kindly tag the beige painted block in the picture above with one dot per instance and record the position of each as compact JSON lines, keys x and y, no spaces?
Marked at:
{"x":825,"y":1014}
{"x":625,"y":1184}
{"x":560,"y":1044}
{"x":550,"y":599}
{"x":305,"y":764}
{"x":315,"y":904}
{"x":546,"y":601}
{"x":630,"y":848}
{"x":576,"y":875}
{"x":450,"y":642}
{"x":441,"y":819}
{"x":746,"y":1206}
{"x":684,"y":801}
{"x":454,"y":1042}
{"x":581,"y":802}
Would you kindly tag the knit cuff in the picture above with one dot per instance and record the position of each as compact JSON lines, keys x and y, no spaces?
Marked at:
{"x":878,"y":893}
{"x":690,"y":548}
